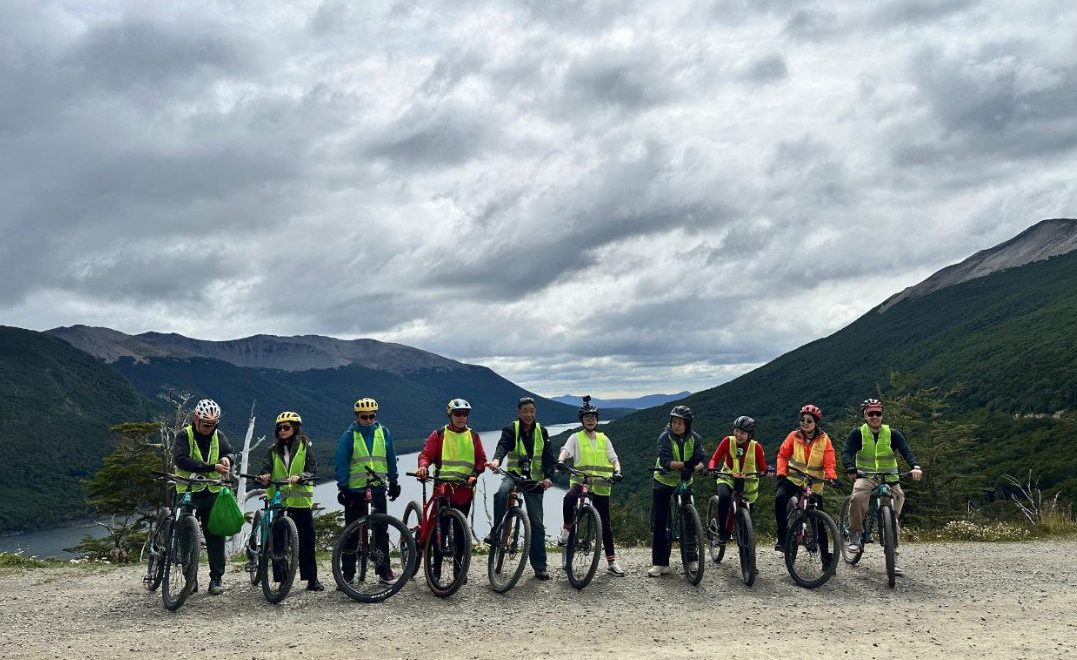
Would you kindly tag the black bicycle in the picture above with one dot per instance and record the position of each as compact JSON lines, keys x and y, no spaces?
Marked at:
{"x":511,"y":537}
{"x":273,"y":546}
{"x":445,"y":537}
{"x":806,"y":559}
{"x":584,"y":546}
{"x":683,"y":526}
{"x":737,"y":526}
{"x":881,"y":514}
{"x":379,"y":548}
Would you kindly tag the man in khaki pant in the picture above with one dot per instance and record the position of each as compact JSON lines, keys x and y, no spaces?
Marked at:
{"x":870,"y":448}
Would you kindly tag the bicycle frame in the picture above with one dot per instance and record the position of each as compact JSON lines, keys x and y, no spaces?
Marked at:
{"x":880,"y":494}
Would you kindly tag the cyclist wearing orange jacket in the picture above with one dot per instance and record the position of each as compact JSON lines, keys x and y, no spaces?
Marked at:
{"x":807,"y":448}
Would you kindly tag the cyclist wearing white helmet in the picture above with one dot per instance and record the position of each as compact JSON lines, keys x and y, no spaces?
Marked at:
{"x":201,"y":449}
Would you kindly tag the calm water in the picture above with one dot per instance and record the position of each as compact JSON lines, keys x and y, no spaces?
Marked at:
{"x":51,"y":542}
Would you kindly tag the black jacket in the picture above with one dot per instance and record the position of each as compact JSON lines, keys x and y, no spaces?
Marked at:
{"x":665,"y":449}
{"x":310,"y":470}
{"x":508,"y":442}
{"x":181,"y":451}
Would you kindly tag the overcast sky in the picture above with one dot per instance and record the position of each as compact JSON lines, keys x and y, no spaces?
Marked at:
{"x":608,"y":197}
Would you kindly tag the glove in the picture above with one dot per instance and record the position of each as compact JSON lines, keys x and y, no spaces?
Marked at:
{"x":617,"y":478}
{"x":561,"y":467}
{"x":394,"y":490}
{"x":342,"y":497}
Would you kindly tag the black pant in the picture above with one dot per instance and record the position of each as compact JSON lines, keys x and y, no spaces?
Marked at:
{"x":356,"y":509}
{"x":602,"y":505}
{"x":661,"y":547}
{"x":203,"y":501}
{"x":304,"y":523}
{"x":461,"y":540}
{"x":725,"y":501}
{"x":786,"y":491}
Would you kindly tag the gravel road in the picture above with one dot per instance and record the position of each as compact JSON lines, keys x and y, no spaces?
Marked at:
{"x":957,"y":600}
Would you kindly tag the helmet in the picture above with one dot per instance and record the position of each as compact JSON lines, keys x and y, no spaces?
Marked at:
{"x":207,"y":410}
{"x":744,"y":423}
{"x":871,"y":404}
{"x":457,"y":404}
{"x":289,"y":416}
{"x":684,"y":412}
{"x":812,"y":410}
{"x":366,"y":404}
{"x":586,"y":408}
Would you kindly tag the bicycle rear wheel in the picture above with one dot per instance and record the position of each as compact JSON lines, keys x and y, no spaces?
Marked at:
{"x":584,"y":547}
{"x":255,"y":567}
{"x":746,"y":545}
{"x":447,"y":553}
{"x":508,"y":555}
{"x":888,"y":536}
{"x":692,"y":545}
{"x":392,"y":563}
{"x":413,"y":520}
{"x":280,"y":559}
{"x":714,"y":528}
{"x":181,"y":565}
{"x":844,"y":524}
{"x":156,"y":552}
{"x":808,"y":557}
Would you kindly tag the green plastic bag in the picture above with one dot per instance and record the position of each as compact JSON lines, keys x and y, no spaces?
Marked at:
{"x":225,"y":518}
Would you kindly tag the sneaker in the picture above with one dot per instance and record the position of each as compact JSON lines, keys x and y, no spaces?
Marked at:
{"x":693,"y":566}
{"x":387,"y":577}
{"x":779,"y":547}
{"x":314,"y":585}
{"x":656,"y":571}
{"x":215,"y":586}
{"x":897,"y":567}
{"x":194,"y":589}
{"x":854,"y":542}
{"x":542,"y":575}
{"x":489,"y":539}
{"x":563,"y":539}
{"x":615,"y":569}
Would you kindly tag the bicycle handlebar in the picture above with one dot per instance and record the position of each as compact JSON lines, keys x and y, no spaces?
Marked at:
{"x":190,"y":481}
{"x":519,"y":480}
{"x":813,"y":479}
{"x":744,"y":475}
{"x":587,"y":476}
{"x":275,"y":482}
{"x":436,"y":480}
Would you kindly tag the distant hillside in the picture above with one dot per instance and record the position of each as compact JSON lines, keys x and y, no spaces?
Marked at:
{"x":636,"y":403}
{"x":57,"y":403}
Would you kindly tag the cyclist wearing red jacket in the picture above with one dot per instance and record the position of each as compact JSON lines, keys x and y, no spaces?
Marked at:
{"x":737,"y":454}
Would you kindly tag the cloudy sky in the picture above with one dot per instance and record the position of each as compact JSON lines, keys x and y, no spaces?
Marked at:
{"x":614,"y":197}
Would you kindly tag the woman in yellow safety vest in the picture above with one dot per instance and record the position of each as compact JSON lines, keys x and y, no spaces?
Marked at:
{"x":807,"y":448}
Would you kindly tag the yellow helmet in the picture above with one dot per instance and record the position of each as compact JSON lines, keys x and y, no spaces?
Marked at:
{"x":289,"y":416}
{"x":366,"y":404}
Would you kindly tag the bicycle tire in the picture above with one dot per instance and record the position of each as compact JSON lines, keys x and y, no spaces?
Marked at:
{"x":181,"y":569}
{"x":508,"y":554}
{"x":156,"y":552}
{"x":456,"y":527}
{"x":746,"y":545}
{"x":803,"y":542}
{"x":413,"y":520}
{"x":844,"y":523}
{"x":254,"y":551}
{"x":401,"y":544}
{"x":584,"y":543}
{"x":887,"y":537}
{"x":281,"y":559}
{"x":692,"y":540}
{"x":714,"y":528}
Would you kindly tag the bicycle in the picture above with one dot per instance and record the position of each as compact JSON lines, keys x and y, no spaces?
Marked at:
{"x":809,"y":527}
{"x":273,"y":546}
{"x":444,"y":535}
{"x":880,"y":512}
{"x":511,"y":537}
{"x":180,"y":539}
{"x":737,"y":526}
{"x":683,"y":525}
{"x":154,"y":549}
{"x":392,"y":547}
{"x":584,"y":546}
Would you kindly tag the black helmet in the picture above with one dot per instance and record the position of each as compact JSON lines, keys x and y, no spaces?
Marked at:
{"x":587,"y":408}
{"x":744,"y":423}
{"x":684,"y":412}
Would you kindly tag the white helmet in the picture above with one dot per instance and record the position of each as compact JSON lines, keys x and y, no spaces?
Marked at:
{"x":207,"y":410}
{"x":457,"y":404}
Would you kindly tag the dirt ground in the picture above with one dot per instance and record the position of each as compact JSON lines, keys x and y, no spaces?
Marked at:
{"x":956,"y":600}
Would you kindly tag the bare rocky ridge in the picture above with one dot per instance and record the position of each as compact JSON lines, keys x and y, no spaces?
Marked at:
{"x":999,"y":600}
{"x":1043,"y":240}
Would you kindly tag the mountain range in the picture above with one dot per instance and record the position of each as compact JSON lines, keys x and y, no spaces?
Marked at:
{"x":636,"y":403}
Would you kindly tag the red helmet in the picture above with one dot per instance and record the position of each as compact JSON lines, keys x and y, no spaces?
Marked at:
{"x":871,"y":404}
{"x":812,"y":410}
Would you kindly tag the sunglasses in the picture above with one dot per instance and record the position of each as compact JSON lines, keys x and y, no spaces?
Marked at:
{"x":284,"y":427}
{"x":875,"y":413}
{"x":460,"y":413}
{"x":206,"y":425}
{"x":807,"y":420}
{"x":366,"y":417}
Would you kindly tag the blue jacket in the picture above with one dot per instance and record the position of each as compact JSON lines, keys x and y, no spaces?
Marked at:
{"x":343,"y":459}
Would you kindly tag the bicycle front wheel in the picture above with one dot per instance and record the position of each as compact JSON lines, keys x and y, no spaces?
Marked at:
{"x":447,"y":553}
{"x":413,"y":520}
{"x":156,"y":552}
{"x":584,"y":547}
{"x":844,"y":525}
{"x":692,"y":545}
{"x":181,"y":565}
{"x":746,"y":545}
{"x":383,"y":543}
{"x":255,"y":567}
{"x":809,"y":557}
{"x":714,"y":529}
{"x":508,"y":554}
{"x":888,"y":537}
{"x":281,"y":559}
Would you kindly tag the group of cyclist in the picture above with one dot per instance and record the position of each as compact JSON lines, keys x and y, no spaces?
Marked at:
{"x":366,"y":460}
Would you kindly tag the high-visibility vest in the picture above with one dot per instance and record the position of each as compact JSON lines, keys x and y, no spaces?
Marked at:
{"x":196,"y":454}
{"x":811,"y":463}
{"x":594,"y":461}
{"x":362,"y":458}
{"x":295,"y":496}
{"x":876,"y":455}
{"x":673,"y":478}
{"x":457,"y":455}
{"x":519,"y":451}
{"x":745,"y":465}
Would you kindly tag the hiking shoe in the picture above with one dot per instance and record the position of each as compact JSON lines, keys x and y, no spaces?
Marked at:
{"x":615,"y":569}
{"x":779,"y":547}
{"x":563,"y":539}
{"x":215,"y":586}
{"x":542,"y":575}
{"x":854,"y":542}
{"x":387,"y":577}
{"x":489,"y":540}
{"x":314,"y":585}
{"x":897,"y":566}
{"x":656,"y":571}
